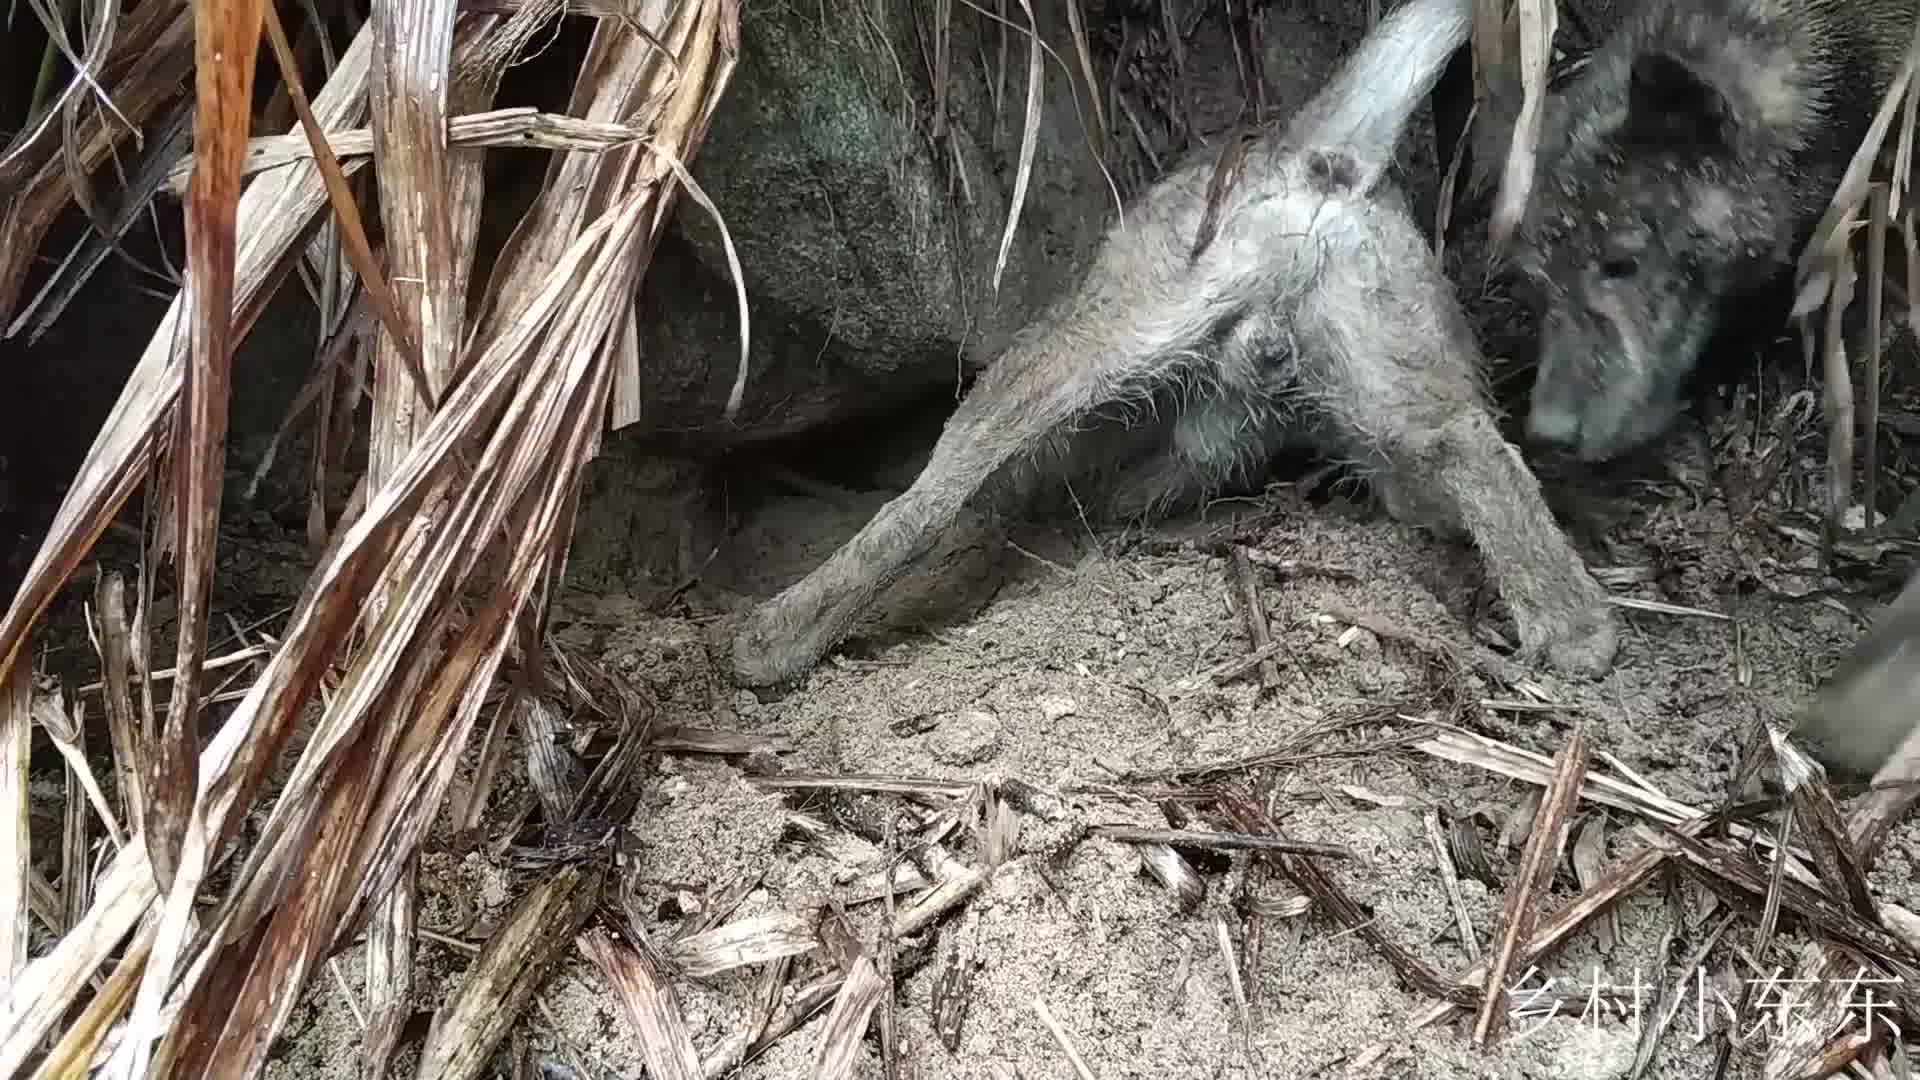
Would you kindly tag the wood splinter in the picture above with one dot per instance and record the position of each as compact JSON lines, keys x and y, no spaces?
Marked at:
{"x":1256,"y":616}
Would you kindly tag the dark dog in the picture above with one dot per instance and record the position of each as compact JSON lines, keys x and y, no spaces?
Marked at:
{"x":1682,"y":173}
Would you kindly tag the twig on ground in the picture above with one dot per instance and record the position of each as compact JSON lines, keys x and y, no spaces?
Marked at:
{"x":721,"y":902}
{"x":73,"y":1054}
{"x":1518,"y":705}
{"x":1234,"y":985}
{"x":679,"y":739}
{"x":68,"y":738}
{"x":1450,"y":883}
{"x":1673,"y":994}
{"x":1661,"y":607}
{"x":1812,"y":806}
{"x":1621,"y":882}
{"x":1537,"y":862}
{"x":1286,"y":567}
{"x":1306,"y":746}
{"x":1255,"y":614}
{"x":1467,"y":748}
{"x":1254,"y":917}
{"x":889,"y":1011}
{"x":1733,"y":876}
{"x":958,"y":881}
{"x":1762,"y":944}
{"x":1238,"y":667}
{"x":766,"y":996}
{"x":213,"y":664}
{"x":1305,"y":873}
{"x":1221,"y":841}
{"x":1060,"y":1036}
{"x":390,"y":984}
{"x":16,"y":741}
{"x":1738,"y":879}
{"x":738,"y":1050}
{"x":912,"y":786}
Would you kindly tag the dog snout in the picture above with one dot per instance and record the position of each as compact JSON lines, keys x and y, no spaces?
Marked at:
{"x":1552,"y":422}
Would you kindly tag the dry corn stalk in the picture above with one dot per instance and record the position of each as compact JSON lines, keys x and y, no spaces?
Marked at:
{"x":523,"y":419}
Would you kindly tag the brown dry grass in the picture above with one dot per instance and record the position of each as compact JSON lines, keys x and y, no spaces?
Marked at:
{"x":1877,"y":189}
{"x":168,"y":962}
{"x":476,"y":455}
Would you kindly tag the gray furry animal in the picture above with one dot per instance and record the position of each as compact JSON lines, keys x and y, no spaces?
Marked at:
{"x":1316,"y":310}
{"x":1871,"y":702}
{"x":1679,"y":176}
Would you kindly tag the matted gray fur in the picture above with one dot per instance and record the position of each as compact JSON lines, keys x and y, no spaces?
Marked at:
{"x":1317,"y":308}
{"x":1871,"y":702}
{"x":1682,"y":170}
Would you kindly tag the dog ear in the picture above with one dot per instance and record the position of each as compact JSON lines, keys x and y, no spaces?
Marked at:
{"x":1670,"y":107}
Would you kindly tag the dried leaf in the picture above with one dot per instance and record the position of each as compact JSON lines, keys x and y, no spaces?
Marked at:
{"x":1538,"y":21}
{"x":16,"y":727}
{"x":746,"y":941}
{"x":650,"y":1004}
{"x":846,"y":1025}
{"x":390,"y":972}
{"x":510,"y":969}
{"x":1023,"y":172}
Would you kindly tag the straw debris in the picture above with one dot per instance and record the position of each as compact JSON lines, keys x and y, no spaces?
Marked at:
{"x":272,"y":798}
{"x":509,"y":970}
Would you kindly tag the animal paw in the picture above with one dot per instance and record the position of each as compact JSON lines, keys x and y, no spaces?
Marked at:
{"x":1584,"y":646}
{"x":764,"y":655}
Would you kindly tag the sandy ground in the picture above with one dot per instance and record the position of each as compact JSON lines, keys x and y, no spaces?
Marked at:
{"x":1081,"y":662}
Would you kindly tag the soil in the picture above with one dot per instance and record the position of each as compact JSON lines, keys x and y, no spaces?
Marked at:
{"x":1080,"y":661}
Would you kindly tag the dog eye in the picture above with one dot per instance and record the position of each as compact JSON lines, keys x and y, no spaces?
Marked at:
{"x":1619,"y":266}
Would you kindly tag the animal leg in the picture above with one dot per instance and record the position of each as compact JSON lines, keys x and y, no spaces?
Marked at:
{"x":1155,"y":299}
{"x":1556,"y":604}
{"x":1017,"y":402}
{"x":1396,"y":371}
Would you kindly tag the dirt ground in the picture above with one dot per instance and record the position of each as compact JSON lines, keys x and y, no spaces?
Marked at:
{"x":1097,"y":665}
{"x":1094,"y":664}
{"x":1084,"y":662}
